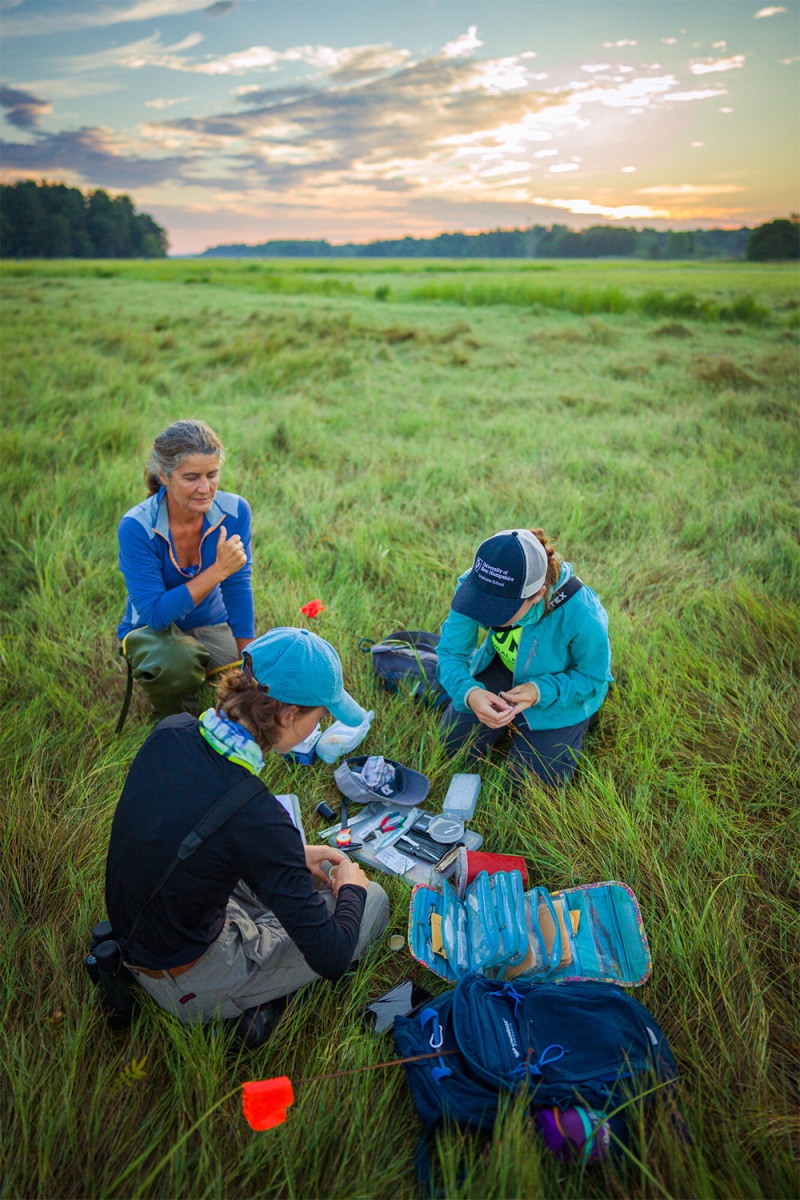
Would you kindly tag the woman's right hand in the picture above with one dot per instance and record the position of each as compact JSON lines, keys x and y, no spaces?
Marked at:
{"x":491,"y":710}
{"x":231,"y":555}
{"x":348,"y":871}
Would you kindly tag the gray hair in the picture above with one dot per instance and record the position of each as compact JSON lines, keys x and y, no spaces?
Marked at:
{"x":176,"y":443}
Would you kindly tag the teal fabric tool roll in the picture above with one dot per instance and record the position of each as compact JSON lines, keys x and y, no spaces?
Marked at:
{"x":483,"y":932}
{"x":594,"y":931}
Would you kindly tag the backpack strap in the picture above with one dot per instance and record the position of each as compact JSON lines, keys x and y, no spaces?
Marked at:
{"x":564,"y":593}
{"x":216,"y":816}
{"x":126,"y":703}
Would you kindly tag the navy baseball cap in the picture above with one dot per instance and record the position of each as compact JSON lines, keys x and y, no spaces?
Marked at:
{"x":409,"y":787}
{"x":299,"y":667}
{"x":509,"y":568}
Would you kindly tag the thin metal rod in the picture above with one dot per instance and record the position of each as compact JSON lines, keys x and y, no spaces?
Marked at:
{"x":392,"y":1062}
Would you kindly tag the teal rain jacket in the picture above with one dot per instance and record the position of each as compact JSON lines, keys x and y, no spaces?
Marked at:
{"x":567,"y":654}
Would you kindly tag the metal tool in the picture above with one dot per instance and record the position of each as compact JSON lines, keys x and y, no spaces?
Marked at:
{"x":397,"y":833}
{"x":387,"y":824}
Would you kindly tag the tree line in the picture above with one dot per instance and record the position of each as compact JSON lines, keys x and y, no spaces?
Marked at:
{"x":51,"y":220}
{"x":557,"y":241}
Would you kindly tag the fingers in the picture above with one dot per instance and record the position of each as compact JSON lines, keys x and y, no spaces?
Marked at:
{"x":499,"y":720}
{"x":223,"y":535}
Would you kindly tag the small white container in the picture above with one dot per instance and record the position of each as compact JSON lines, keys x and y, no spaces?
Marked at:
{"x":462,"y":796}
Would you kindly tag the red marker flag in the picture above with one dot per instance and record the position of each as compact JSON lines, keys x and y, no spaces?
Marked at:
{"x":265,"y":1102}
{"x":313,"y":608}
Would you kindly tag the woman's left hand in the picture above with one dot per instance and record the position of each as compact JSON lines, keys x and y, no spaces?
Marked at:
{"x":523,"y":696}
{"x":317,"y":855}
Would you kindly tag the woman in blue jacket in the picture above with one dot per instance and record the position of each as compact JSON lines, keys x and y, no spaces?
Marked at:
{"x":543,"y":669}
{"x":184,"y":553}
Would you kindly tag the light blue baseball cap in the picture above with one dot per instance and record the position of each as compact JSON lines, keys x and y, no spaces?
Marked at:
{"x":298,"y":667}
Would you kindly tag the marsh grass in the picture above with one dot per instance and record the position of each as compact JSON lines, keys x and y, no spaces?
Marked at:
{"x":377,"y":443}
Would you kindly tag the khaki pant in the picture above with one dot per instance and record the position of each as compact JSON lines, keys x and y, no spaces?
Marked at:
{"x":252,"y":961}
{"x":171,"y":665}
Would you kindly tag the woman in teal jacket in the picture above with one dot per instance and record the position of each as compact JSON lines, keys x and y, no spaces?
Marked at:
{"x":544,"y":668}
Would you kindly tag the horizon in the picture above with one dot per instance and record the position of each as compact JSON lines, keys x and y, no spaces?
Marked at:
{"x":232,"y":123}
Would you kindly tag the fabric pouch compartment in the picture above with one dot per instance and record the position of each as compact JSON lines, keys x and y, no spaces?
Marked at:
{"x":485,"y":946}
{"x":455,"y":931}
{"x":426,"y":907}
{"x":549,"y":940}
{"x":611,"y":941}
{"x":509,"y":909}
{"x":604,"y":930}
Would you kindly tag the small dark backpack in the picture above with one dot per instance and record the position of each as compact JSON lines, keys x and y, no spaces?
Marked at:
{"x":586,"y":1044}
{"x":406,"y":660}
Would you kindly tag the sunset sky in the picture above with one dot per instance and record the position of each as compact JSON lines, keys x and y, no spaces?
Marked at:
{"x":244,"y":120}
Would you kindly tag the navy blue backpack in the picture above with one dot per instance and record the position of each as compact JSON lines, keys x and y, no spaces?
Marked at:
{"x":407,"y":659}
{"x":587,"y":1044}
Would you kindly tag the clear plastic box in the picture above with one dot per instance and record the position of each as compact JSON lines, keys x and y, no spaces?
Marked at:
{"x":462,"y":796}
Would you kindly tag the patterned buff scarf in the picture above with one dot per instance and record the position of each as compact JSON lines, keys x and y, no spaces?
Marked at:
{"x":231,"y":741}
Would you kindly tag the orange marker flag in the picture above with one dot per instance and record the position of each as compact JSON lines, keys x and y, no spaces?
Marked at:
{"x":265,"y":1101}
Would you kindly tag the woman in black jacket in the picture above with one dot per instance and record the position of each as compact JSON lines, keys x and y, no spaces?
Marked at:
{"x":252,"y":915}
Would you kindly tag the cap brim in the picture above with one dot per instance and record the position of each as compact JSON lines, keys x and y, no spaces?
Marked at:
{"x":415,"y":787}
{"x":345,"y":709}
{"x":479,"y":606}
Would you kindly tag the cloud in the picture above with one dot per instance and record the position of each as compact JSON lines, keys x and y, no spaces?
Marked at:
{"x":346,"y":63}
{"x":148,"y":51}
{"x":70,"y":15}
{"x":616,"y":45}
{"x":162,"y":104}
{"x":635,"y":93}
{"x":669,"y":41}
{"x":719,"y":45}
{"x":711,"y":65}
{"x":363,"y":62}
{"x":624,"y":212}
{"x":691,"y":189}
{"x":94,"y":154}
{"x":595,"y":68}
{"x":463,"y":45}
{"x":362,"y":129}
{"x":219,"y":9}
{"x":767,"y":12}
{"x":698,"y":94}
{"x":627,"y":170}
{"x":24,"y":110}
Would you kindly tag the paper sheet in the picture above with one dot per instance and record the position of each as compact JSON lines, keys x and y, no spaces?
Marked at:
{"x":395,"y":861}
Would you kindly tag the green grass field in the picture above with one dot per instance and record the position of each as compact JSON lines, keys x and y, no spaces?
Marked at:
{"x":382,"y":419}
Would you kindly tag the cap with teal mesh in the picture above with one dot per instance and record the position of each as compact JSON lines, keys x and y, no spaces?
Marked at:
{"x":299,"y":667}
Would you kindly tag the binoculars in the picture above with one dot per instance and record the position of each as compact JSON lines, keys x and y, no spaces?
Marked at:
{"x":105,"y":968}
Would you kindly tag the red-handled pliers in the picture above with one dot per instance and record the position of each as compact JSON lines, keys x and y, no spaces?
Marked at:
{"x":387,"y":824}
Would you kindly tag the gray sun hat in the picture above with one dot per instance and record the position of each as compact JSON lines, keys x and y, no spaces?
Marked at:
{"x":409,"y":787}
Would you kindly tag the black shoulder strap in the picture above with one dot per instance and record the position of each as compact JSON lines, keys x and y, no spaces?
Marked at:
{"x":562,"y":594}
{"x":229,"y":803}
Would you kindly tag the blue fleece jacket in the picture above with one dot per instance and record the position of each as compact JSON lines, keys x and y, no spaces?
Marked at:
{"x":157,"y":591}
{"x":567,"y":655}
